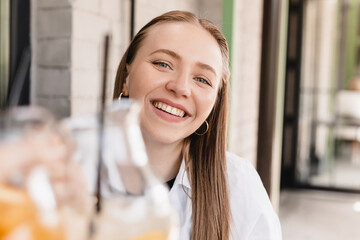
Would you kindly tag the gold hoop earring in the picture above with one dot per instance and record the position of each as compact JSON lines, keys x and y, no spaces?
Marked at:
{"x":119,"y":98}
{"x":207,"y":129}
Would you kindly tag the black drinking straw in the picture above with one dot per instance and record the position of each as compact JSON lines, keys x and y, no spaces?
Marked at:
{"x":19,"y":79}
{"x":101,"y":124}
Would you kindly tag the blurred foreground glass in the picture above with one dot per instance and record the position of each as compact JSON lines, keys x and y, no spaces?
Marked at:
{"x":135,"y":204}
{"x":28,"y":204}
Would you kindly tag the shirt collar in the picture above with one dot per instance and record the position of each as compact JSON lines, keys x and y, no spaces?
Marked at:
{"x":182,"y":176}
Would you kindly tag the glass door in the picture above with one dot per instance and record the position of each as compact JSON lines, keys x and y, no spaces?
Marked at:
{"x":323,"y":147}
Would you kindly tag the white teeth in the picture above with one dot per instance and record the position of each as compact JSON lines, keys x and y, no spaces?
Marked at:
{"x":169,"y":109}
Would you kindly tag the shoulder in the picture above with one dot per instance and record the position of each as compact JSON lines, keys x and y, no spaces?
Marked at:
{"x":245,"y":183}
{"x":241,"y":171}
{"x":252,"y":212}
{"x":239,"y":163}
{"x":243,"y":179}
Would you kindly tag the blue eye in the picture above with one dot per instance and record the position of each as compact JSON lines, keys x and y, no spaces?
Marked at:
{"x":162,"y":64}
{"x":202,"y":80}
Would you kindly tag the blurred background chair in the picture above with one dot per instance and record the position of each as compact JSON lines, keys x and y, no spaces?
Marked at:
{"x":347,"y":123}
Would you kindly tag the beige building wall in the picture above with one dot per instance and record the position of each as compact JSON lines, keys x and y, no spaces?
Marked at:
{"x":245,"y":78}
{"x":67,"y":41}
{"x":51,"y":31}
{"x":92,"y":19}
{"x":209,"y":9}
{"x":147,"y":10}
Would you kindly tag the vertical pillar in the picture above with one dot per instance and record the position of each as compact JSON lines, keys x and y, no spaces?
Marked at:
{"x":272,"y":95}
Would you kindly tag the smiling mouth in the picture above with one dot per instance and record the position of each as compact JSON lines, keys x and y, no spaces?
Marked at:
{"x":169,"y":109}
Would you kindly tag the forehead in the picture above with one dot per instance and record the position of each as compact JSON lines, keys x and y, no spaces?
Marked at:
{"x":192,"y":42}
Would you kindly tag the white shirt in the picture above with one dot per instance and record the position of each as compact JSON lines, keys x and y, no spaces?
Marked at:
{"x":252,"y":213}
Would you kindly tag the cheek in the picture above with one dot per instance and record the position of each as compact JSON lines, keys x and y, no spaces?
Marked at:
{"x":135,"y":91}
{"x":137,"y":86}
{"x":141,"y":83}
{"x":206,"y":103}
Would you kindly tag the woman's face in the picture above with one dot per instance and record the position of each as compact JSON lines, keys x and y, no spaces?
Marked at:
{"x":176,"y":75}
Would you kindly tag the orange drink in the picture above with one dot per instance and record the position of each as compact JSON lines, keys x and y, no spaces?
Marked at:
{"x":16,"y":208}
{"x":155,"y":235}
{"x":19,"y":217}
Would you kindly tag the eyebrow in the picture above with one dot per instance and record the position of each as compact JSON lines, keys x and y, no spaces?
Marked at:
{"x":177,"y":56}
{"x":168,"y":52}
{"x":207,"y":67}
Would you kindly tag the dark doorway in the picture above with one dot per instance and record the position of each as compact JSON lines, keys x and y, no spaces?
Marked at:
{"x":19,"y":82}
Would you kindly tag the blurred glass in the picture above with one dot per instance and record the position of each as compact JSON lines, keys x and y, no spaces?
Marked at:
{"x":134,"y":204}
{"x":28,"y":203}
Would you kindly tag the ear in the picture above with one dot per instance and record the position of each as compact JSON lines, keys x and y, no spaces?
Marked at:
{"x":125,"y":89}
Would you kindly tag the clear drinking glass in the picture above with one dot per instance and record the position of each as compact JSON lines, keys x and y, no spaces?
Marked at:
{"x":134,"y":203}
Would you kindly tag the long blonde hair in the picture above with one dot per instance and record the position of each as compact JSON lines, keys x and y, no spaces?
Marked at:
{"x":205,"y":156}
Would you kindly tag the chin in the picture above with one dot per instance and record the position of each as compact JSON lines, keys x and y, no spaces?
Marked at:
{"x":166,"y":138}
{"x":161,"y":136}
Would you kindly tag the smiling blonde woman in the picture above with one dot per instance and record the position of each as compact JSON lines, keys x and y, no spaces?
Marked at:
{"x":177,"y":67}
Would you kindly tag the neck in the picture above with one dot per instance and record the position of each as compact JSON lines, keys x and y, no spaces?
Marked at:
{"x":165,"y":159}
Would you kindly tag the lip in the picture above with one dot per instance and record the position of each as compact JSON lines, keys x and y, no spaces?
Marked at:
{"x":166,"y":116}
{"x":172,"y":104}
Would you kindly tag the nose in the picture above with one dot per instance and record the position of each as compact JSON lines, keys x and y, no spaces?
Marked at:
{"x":179,"y":85}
